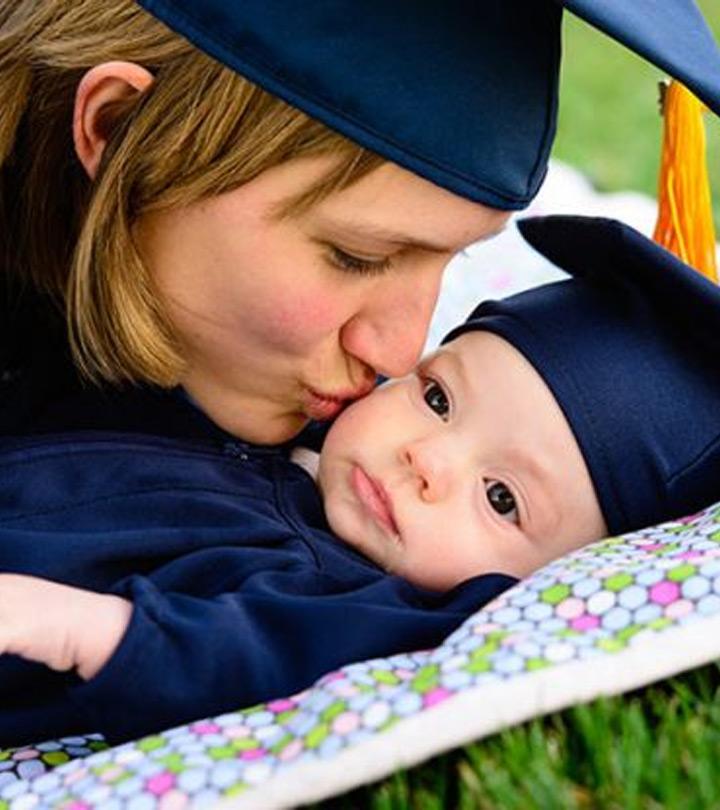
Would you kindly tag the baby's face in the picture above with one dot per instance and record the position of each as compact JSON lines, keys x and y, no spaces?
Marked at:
{"x":465,"y":467}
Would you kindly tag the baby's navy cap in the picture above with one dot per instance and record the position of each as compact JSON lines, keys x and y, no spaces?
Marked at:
{"x":461,"y":93}
{"x":629,"y":347}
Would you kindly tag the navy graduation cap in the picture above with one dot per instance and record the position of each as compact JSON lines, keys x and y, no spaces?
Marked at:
{"x":630,"y":348}
{"x":461,"y":92}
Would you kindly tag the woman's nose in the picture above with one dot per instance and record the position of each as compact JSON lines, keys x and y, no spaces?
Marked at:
{"x":389,"y":333}
{"x":430,"y":467}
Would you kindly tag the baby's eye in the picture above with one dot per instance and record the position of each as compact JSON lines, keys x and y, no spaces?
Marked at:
{"x":502,"y":500}
{"x":436,"y":398}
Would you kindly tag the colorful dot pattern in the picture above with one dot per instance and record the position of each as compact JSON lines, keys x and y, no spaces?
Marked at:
{"x":591,"y":603}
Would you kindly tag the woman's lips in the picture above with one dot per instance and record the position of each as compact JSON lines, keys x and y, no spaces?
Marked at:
{"x":374,"y":498}
{"x":321,"y":406}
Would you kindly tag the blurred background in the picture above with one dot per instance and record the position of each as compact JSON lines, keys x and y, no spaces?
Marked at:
{"x":605,"y":163}
{"x":609,"y":124}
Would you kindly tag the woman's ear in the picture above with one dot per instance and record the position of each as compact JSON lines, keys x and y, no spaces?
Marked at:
{"x":102,"y":86}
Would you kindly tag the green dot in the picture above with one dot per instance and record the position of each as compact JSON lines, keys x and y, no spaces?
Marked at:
{"x":618,"y":581}
{"x":385,"y":676}
{"x":281,"y":744}
{"x":333,"y":710}
{"x":151,"y":743}
{"x":5,"y":755}
{"x":659,"y":624}
{"x":478,"y":666}
{"x":389,"y":723}
{"x":484,"y":650}
{"x":555,"y":594}
{"x":259,"y":707}
{"x":285,"y":717}
{"x":173,"y":762}
{"x":245,"y":744}
{"x":56,"y":757}
{"x":536,"y":663}
{"x":314,"y":737}
{"x":611,"y":644}
{"x":681,"y":572}
{"x":222,"y":752}
{"x":236,"y":789}
{"x":98,"y":745}
{"x":4,"y":805}
{"x":628,"y":632}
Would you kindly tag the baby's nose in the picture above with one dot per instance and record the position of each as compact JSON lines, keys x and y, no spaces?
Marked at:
{"x":431,"y":470}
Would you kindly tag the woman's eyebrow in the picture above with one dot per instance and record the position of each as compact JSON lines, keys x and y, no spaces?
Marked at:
{"x":379,"y":233}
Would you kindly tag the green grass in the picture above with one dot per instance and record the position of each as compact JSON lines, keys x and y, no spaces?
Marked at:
{"x":656,"y":749}
{"x":609,"y":125}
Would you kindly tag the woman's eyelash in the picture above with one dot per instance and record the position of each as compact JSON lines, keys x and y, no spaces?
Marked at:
{"x":354,"y":264}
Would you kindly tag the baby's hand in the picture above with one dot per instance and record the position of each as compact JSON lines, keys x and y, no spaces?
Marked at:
{"x":60,"y":626}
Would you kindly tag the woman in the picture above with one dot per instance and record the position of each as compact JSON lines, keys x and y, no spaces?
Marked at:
{"x":186,"y":228}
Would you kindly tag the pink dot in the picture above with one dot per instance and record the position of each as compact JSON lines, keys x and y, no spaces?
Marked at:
{"x":76,"y":776}
{"x":688,"y":555}
{"x":404,"y":674}
{"x":332,"y":676}
{"x":253,"y":753}
{"x":679,"y":609}
{"x":205,"y":728}
{"x":664,"y":592}
{"x":31,"y":753}
{"x":278,"y":706}
{"x":77,"y":806}
{"x":236,"y":732}
{"x":173,"y":800}
{"x":346,"y":722}
{"x":487,"y":627}
{"x":586,"y":622}
{"x":650,"y":546}
{"x":436,"y":696}
{"x":291,"y":750}
{"x":160,"y":783}
{"x":570,"y":608}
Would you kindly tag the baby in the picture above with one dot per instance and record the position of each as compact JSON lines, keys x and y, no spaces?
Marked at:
{"x":544,"y":422}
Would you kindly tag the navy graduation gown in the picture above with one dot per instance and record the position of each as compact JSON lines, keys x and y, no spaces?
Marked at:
{"x":240,"y":592}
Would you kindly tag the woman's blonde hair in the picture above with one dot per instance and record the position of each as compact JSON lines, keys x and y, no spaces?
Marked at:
{"x":199,"y":130}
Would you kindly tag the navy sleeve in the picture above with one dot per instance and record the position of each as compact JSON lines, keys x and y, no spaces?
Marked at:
{"x":184,"y":657}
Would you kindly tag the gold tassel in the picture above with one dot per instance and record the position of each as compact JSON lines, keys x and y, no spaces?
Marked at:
{"x":685,"y":220}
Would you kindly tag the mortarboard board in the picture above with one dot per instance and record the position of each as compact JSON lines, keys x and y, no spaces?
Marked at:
{"x":461,"y":93}
{"x":629,"y":347}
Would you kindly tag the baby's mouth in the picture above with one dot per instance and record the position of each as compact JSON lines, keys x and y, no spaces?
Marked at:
{"x":375,"y":499}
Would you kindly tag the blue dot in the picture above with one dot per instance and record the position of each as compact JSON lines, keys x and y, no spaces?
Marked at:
{"x":649,"y":576}
{"x":695,"y":587}
{"x":633,"y":597}
{"x":586,"y":587}
{"x":538,"y":611}
{"x":709,"y":605}
{"x":253,"y":721}
{"x":616,"y":618}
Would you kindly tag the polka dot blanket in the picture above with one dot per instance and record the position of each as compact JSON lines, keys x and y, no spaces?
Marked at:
{"x":611,"y":617}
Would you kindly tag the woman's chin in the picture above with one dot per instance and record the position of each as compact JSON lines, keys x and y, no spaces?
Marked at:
{"x":271,"y":430}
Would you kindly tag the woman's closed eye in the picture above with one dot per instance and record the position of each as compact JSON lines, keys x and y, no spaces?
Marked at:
{"x":502,"y":500}
{"x":435,"y":398}
{"x":357,"y":265}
